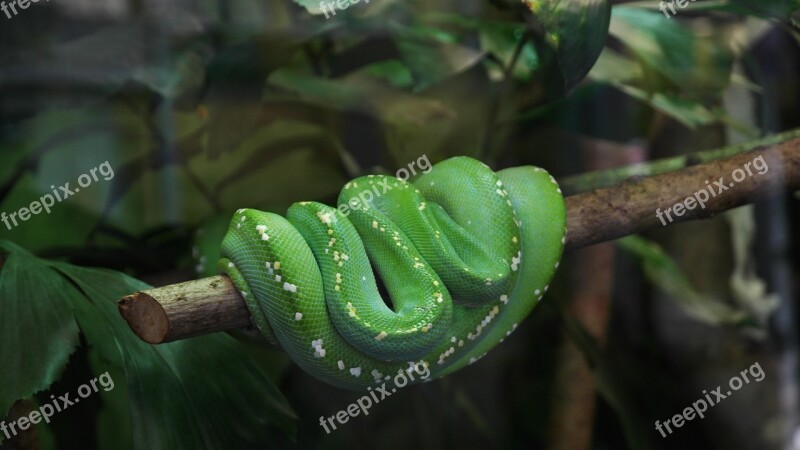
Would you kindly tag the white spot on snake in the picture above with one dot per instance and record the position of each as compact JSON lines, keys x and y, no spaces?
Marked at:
{"x":230,"y":264}
{"x":460,"y":343}
{"x":277,"y":265}
{"x":265,"y":237}
{"x":341,"y":364}
{"x":356,"y":371}
{"x":244,"y":294}
{"x":278,"y":278}
{"x":380,"y":336}
{"x":453,"y":339}
{"x":439,"y":297}
{"x":324,"y":217}
{"x":422,"y":206}
{"x":244,"y":218}
{"x":537,"y":292}
{"x":563,"y":239}
{"x":298,"y":316}
{"x":504,"y":299}
{"x":261,"y":228}
{"x":268,"y":265}
{"x":374,"y":224}
{"x":289,"y":287}
{"x":319,"y":352}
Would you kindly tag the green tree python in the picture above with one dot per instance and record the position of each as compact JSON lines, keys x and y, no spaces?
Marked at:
{"x":464,"y":253}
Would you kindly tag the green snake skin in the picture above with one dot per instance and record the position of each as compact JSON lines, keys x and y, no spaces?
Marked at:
{"x":464,"y":253}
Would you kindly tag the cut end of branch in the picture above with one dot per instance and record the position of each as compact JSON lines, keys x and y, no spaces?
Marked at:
{"x":179,"y":311}
{"x":146,"y":317}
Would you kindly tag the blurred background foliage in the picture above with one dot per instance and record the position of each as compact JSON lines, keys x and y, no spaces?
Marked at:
{"x":202,"y":107}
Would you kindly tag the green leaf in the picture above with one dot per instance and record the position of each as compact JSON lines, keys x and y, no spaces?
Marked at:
{"x":779,"y":9}
{"x":37,"y":329}
{"x":674,"y":59}
{"x":207,"y":392}
{"x":749,"y":291}
{"x":499,"y":39}
{"x":433,"y":55}
{"x":574,"y":34}
{"x":664,"y":273}
{"x":393,"y":71}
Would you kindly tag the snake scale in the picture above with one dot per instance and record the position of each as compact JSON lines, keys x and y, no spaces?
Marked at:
{"x":464,"y":253}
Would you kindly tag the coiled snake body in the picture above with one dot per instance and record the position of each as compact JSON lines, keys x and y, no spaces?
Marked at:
{"x":465,"y":254}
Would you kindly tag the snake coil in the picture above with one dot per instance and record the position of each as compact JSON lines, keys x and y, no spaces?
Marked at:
{"x":465,"y":254}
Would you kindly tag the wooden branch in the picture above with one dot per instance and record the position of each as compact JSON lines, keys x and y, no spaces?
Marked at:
{"x":605,"y":178}
{"x":183,"y":310}
{"x":630,"y":208}
{"x":213,"y":304}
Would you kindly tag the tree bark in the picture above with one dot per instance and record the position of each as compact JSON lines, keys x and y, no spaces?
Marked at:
{"x":212,"y":304}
